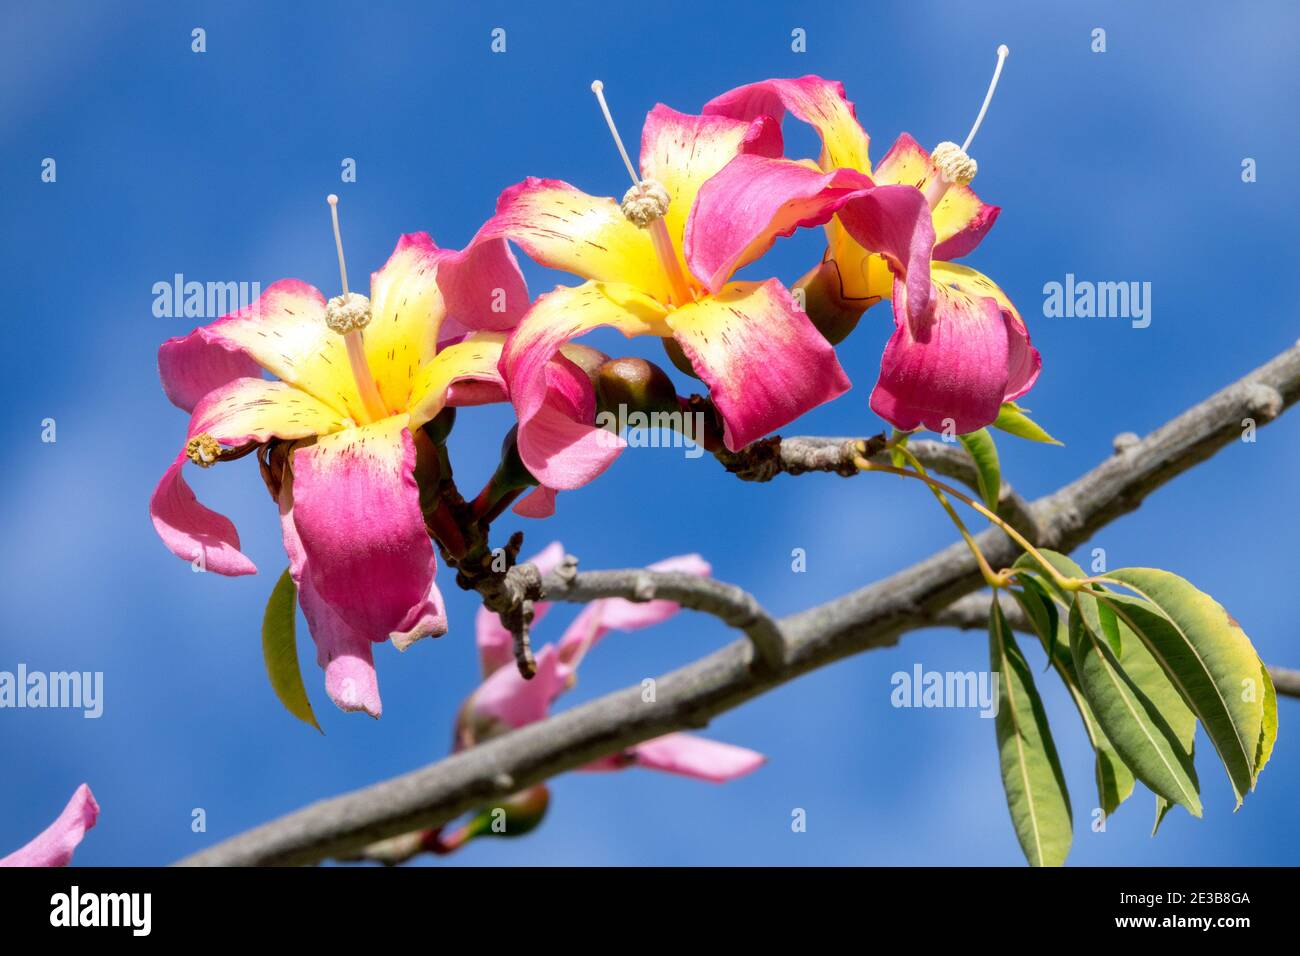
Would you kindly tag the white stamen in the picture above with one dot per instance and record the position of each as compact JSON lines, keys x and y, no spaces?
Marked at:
{"x":1003,"y":53}
{"x":598,"y":88}
{"x":333,"y":200}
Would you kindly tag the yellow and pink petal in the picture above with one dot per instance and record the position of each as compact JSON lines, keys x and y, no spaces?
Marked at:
{"x":740,"y":212}
{"x":820,"y":103}
{"x":764,"y":361}
{"x":686,"y":755}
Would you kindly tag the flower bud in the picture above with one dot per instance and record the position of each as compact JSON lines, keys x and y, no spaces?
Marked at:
{"x":636,"y":385}
{"x":678,"y":357}
{"x":830,"y":312}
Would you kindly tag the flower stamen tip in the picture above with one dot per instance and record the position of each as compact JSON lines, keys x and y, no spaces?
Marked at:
{"x":203,"y":450}
{"x":953,"y":164}
{"x":645,"y":202}
{"x":346,"y":313}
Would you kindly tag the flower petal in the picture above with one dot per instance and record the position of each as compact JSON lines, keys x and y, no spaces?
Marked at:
{"x":243,"y":410}
{"x":515,"y":701}
{"x":342,"y":651}
{"x":820,"y":103}
{"x":553,"y":398}
{"x":406,"y":313}
{"x":192,"y":532}
{"x":563,"y":228}
{"x":741,"y":211}
{"x":357,"y":510}
{"x":538,"y":503}
{"x":682,"y":152}
{"x":696,"y":757}
{"x":960,"y":220}
{"x":495,"y":642}
{"x":1024,"y":363}
{"x":952,"y":373}
{"x":894,"y":221}
{"x":483,"y":287}
{"x":473,"y":359}
{"x":284,"y":332}
{"x":55,"y":845}
{"x":763,"y":360}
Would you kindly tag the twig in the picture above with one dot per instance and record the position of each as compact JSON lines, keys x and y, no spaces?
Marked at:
{"x":874,"y":616}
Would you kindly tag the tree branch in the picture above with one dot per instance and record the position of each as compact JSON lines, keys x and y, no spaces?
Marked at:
{"x":871,"y":617}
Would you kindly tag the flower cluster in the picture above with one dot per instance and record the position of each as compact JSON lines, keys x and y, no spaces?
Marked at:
{"x":347,"y":402}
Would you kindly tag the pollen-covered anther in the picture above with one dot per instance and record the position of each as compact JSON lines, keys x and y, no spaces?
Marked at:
{"x":203,"y":450}
{"x":347,"y":313}
{"x":645,"y":202}
{"x":953,"y":164}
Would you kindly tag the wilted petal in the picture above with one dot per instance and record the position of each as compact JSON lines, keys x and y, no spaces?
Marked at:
{"x":763,"y":360}
{"x":55,"y":845}
{"x":820,"y":103}
{"x":515,"y":701}
{"x":741,"y":211}
{"x":538,"y":503}
{"x":192,"y":532}
{"x":697,"y":757}
{"x":894,"y":221}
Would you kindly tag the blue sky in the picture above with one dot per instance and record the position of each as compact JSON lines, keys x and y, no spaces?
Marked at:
{"x":1115,"y":166}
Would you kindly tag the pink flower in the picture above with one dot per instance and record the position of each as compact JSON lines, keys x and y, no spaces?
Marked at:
{"x":763,"y":361}
{"x":505,"y":700}
{"x":54,"y":847}
{"x":960,"y":349}
{"x":338,"y":436}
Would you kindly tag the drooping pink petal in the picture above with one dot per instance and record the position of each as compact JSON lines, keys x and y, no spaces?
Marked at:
{"x":495,"y":643}
{"x":688,"y":756}
{"x":515,"y":701}
{"x":764,"y":361}
{"x":553,"y":398}
{"x":820,"y":103}
{"x":960,"y":220}
{"x":952,"y":375}
{"x":192,"y":532}
{"x":894,"y":221}
{"x":343,"y":652}
{"x":600,"y":617}
{"x":753,"y":200}
{"x":357,"y":510}
{"x":538,"y":503}
{"x":239,"y":411}
{"x":55,"y":845}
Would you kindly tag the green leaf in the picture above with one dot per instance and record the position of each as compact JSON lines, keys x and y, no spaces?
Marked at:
{"x":1013,"y":420}
{"x":1064,"y":566}
{"x":1114,"y":779}
{"x":280,"y":650}
{"x":1210,"y":661}
{"x":1031,"y":771}
{"x":1137,"y":708}
{"x":1163,"y":806}
{"x":989,"y":475}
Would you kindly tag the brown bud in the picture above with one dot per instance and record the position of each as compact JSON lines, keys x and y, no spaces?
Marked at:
{"x":825,"y":304}
{"x":635,"y":384}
